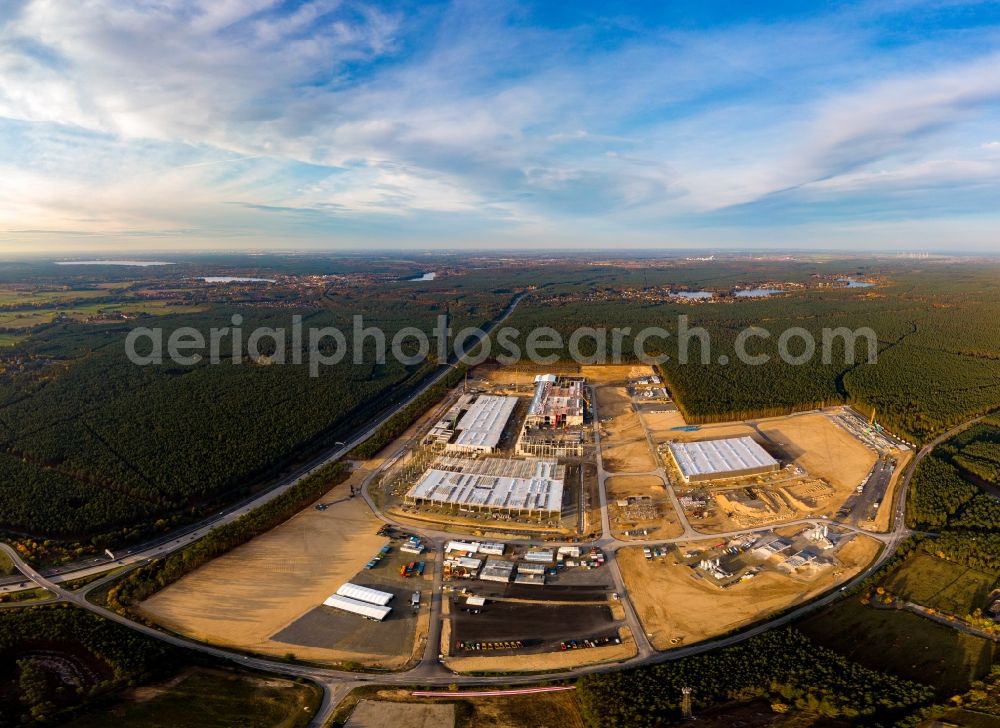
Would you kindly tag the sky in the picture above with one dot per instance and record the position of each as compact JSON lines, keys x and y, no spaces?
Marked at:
{"x":145,"y":125}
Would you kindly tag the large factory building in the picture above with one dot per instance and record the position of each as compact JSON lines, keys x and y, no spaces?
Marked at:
{"x":732,"y":457}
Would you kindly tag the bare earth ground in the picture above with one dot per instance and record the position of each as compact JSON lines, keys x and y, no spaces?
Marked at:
{"x":707,"y":432}
{"x":673,"y":605}
{"x":624,"y":448}
{"x":823,"y":449}
{"x":549,"y":661}
{"x":660,"y":423}
{"x":541,"y":710}
{"x":379,"y":714}
{"x":246,"y":596}
{"x":666,"y":525}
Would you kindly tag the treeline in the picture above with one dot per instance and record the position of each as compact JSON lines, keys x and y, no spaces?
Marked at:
{"x":782,"y":666}
{"x":942,"y":494}
{"x":113,"y":656}
{"x":399,"y":422}
{"x":975,"y":550}
{"x":937,"y":363}
{"x":147,"y":580}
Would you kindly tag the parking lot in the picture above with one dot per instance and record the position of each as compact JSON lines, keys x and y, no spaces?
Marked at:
{"x":535,"y":627}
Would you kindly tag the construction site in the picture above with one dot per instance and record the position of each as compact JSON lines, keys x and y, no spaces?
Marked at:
{"x":521,"y":581}
{"x":691,"y":591}
{"x":483,"y":465}
{"x":784,"y":468}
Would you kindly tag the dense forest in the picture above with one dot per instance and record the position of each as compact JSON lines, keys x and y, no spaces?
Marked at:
{"x":947,"y":488}
{"x":97,"y":450}
{"x":781,"y":666}
{"x":938,"y":351}
{"x":56,"y":658}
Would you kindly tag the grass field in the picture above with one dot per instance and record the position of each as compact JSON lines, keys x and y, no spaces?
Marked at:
{"x":545,"y":710}
{"x":903,"y":644}
{"x":210,"y":698}
{"x":942,"y":585}
{"x":6,"y":565}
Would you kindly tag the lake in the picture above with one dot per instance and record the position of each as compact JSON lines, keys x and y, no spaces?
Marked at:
{"x":139,"y":263}
{"x":693,"y":295}
{"x":852,"y":283}
{"x":757,"y":292}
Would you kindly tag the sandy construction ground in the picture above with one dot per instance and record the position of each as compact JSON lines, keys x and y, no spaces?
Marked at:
{"x":708,"y":432}
{"x":677,"y":609}
{"x":549,"y":661}
{"x":624,"y":449}
{"x":244,"y":597}
{"x":380,"y":714}
{"x":822,"y":448}
{"x":660,"y":423}
{"x":599,"y":375}
{"x":666,"y":525}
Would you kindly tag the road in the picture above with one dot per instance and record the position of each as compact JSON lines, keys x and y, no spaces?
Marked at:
{"x":429,"y":670}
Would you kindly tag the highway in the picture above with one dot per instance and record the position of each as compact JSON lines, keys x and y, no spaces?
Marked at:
{"x":429,"y":670}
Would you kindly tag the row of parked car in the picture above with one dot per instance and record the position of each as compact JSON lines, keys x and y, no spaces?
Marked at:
{"x":583,"y":644}
{"x":477,"y":646}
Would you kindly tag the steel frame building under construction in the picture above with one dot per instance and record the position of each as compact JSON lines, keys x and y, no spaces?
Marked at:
{"x":531,"y":487}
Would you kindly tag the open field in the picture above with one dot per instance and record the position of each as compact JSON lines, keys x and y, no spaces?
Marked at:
{"x":904,"y":644}
{"x":665,"y":523}
{"x":677,"y":608}
{"x":822,"y":448}
{"x":941,"y":585}
{"x":380,"y":713}
{"x":209,"y":698}
{"x":624,"y":448}
{"x":705,"y":432}
{"x":541,"y":710}
{"x":248,"y":596}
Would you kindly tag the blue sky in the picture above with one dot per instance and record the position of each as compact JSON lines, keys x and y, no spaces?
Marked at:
{"x":203,"y":124}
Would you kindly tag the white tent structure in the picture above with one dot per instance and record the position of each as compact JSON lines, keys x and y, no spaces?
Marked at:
{"x":371,"y":611}
{"x":364,"y":594}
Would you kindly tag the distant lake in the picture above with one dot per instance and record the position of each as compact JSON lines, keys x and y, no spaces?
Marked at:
{"x":235,"y":279}
{"x":757,"y":292}
{"x":424,"y":277}
{"x":693,"y":295}
{"x":139,"y":263}
{"x":852,"y":283}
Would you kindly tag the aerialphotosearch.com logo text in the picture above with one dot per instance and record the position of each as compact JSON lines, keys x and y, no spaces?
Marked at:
{"x":328,"y":346}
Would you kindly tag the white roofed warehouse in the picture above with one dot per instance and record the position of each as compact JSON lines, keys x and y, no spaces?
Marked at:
{"x":364,"y":594}
{"x":355,"y":606}
{"x":732,"y":457}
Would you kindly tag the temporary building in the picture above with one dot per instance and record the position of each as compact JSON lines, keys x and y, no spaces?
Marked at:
{"x":364,"y":594}
{"x":372,"y":611}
